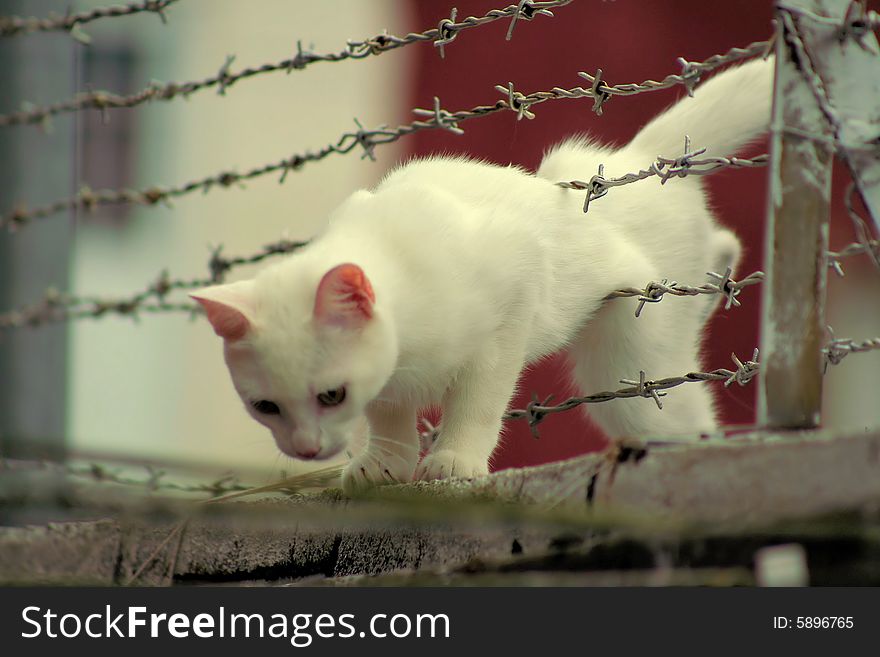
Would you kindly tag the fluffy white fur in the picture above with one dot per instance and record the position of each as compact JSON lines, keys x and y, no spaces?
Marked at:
{"x":461,"y":273}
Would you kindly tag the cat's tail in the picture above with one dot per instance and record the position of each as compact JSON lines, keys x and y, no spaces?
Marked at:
{"x":726,"y":112}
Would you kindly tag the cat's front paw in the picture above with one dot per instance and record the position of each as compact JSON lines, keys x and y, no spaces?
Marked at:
{"x":446,"y":463}
{"x":370,"y":469}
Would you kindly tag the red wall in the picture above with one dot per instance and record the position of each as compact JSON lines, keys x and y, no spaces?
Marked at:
{"x":631,"y":42}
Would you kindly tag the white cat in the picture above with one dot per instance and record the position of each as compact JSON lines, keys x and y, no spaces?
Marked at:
{"x":441,"y":284}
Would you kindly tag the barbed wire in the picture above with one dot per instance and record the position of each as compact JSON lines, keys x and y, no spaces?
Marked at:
{"x":653,"y":292}
{"x":536,"y":411}
{"x":56,"y":306}
{"x":839,"y":348}
{"x":600,"y":91}
{"x":12,"y":25}
{"x":226,"y":486}
{"x":156,"y":480}
{"x":871,"y":248}
{"x":153,"y":479}
{"x":368,"y":140}
{"x":446,"y":32}
{"x":665,"y":168}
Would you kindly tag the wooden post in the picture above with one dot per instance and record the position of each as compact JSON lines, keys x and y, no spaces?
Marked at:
{"x":796,"y":238}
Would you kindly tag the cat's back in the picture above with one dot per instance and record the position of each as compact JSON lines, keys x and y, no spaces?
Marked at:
{"x":454,"y":220}
{"x":472,"y":181}
{"x":444,"y":201}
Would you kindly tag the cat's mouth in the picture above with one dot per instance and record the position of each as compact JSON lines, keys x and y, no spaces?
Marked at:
{"x":321,"y":454}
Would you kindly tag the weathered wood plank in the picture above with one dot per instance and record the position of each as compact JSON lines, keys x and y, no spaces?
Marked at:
{"x":796,"y":238}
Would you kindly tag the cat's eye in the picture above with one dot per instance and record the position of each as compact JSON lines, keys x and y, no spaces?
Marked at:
{"x":265,"y":407}
{"x":332,"y":397}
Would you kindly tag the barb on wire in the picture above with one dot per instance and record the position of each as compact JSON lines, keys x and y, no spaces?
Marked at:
{"x":56,"y":306}
{"x":664,"y":168}
{"x":839,"y":348}
{"x":11,"y":25}
{"x":871,"y":247}
{"x":525,"y":10}
{"x":442,"y":118}
{"x":745,"y":371}
{"x":435,"y":118}
{"x":653,"y":292}
{"x":219,"y":265}
{"x":446,"y":32}
{"x":644,"y":389}
{"x":860,"y":228}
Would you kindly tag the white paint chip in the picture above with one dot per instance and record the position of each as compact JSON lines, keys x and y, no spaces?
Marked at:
{"x":782,"y":565}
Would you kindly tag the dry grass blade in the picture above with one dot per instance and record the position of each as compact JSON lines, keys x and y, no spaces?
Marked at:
{"x":315,"y":479}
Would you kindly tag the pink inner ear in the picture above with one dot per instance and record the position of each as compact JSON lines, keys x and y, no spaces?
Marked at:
{"x":229,"y":323}
{"x":344,"y":296}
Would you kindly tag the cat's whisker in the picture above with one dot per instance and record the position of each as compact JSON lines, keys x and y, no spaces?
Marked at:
{"x":274,"y":468}
{"x":391,"y":446}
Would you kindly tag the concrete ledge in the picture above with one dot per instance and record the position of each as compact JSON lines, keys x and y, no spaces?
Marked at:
{"x":73,"y":553}
{"x":704,"y":506}
{"x":753,"y":478}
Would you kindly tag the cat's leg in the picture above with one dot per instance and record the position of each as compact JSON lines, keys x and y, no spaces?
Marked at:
{"x":724,"y":251}
{"x":472,"y":410}
{"x":664,"y":342}
{"x":392,"y":450}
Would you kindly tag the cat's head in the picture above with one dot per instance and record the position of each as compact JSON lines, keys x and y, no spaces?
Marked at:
{"x":305,"y":359}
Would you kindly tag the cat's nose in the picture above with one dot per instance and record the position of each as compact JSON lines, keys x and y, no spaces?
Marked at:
{"x":308,"y":453}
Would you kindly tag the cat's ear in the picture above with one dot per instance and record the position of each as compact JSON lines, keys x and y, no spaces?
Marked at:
{"x":229,"y":308}
{"x":344,"y":297}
